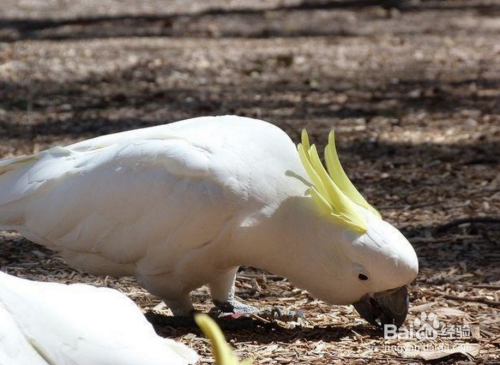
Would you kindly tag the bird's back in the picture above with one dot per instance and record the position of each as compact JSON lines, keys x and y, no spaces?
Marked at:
{"x":140,"y":199}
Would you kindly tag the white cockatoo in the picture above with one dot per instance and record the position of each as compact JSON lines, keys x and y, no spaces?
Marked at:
{"x":50,"y":323}
{"x":185,"y":204}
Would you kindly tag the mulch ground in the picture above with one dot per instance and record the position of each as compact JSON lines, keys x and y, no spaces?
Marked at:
{"x":412,"y":88}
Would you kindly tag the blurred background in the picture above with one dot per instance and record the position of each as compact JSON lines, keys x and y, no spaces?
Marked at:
{"x":412,"y":88}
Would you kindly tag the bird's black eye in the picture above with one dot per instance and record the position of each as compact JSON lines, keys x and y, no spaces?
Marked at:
{"x":362,"y":277}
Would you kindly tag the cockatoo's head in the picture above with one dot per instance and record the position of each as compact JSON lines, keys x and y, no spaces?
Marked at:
{"x":383,"y":262}
{"x":373,"y":261}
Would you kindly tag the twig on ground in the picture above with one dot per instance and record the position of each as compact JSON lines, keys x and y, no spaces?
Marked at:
{"x":408,"y":206}
{"x":473,"y":299}
{"x":460,"y":221}
{"x":486,"y":286}
{"x":260,"y":276}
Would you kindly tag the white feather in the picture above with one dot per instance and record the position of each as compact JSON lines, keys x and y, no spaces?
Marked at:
{"x":15,"y":349}
{"x":57,"y":324}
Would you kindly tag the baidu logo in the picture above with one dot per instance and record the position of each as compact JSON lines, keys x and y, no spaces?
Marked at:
{"x":427,"y":327}
{"x":425,"y":321}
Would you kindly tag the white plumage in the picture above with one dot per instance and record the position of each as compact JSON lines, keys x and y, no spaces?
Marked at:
{"x":50,"y":323}
{"x":185,"y":204}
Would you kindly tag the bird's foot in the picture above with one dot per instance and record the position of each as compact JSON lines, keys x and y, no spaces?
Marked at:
{"x":235,"y":309}
{"x":281,"y":314}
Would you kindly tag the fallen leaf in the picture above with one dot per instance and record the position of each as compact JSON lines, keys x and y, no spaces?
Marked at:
{"x":422,"y":307}
{"x":449,"y":312}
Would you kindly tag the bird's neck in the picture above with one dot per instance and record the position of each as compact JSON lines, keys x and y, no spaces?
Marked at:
{"x":288,"y":241}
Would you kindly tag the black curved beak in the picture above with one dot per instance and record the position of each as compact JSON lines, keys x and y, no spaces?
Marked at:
{"x":388,"y":307}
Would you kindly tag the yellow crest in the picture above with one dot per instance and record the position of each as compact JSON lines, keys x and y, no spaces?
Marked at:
{"x":223,"y":354}
{"x":332,"y":190}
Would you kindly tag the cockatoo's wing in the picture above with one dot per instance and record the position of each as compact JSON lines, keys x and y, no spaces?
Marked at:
{"x":109,"y":202}
{"x":134,"y":203}
{"x":81,"y":324}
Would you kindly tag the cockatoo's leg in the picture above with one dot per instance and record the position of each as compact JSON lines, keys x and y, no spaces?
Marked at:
{"x":222,"y":291}
{"x":180,"y":306}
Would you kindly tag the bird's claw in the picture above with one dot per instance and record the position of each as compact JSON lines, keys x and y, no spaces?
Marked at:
{"x":233,"y":309}
{"x":280,"y":314}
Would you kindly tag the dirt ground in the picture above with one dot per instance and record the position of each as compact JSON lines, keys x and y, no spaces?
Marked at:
{"x":411,"y":87}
